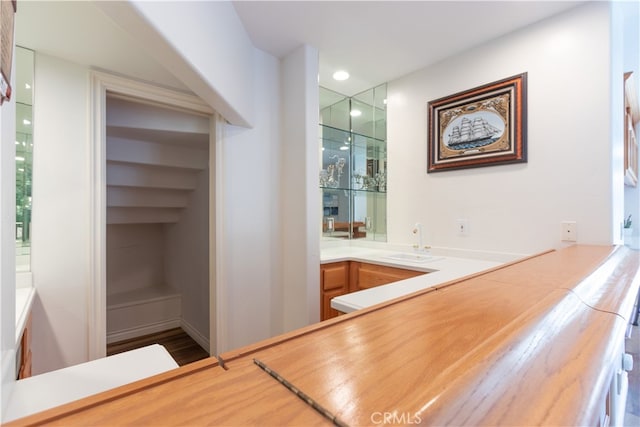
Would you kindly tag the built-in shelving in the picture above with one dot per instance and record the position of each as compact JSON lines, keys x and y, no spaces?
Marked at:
{"x":354,"y":164}
{"x":154,"y":156}
{"x":157,"y":161}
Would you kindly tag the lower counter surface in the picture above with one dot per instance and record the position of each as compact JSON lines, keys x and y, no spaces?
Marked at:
{"x":515,"y":346}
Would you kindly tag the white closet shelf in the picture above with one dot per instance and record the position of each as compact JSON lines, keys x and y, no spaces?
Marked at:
{"x":141,"y":295}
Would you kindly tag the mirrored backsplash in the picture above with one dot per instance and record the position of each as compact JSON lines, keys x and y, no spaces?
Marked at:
{"x":353,"y":133}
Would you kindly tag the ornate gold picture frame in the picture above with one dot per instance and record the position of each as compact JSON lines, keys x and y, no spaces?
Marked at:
{"x":483,"y":126}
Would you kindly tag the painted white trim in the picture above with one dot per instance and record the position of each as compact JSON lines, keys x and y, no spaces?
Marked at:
{"x":140,"y":331}
{"x":195,"y":334}
{"x":97,"y":295}
{"x":125,"y":88}
{"x":101,"y":83}
{"x":217,"y":299}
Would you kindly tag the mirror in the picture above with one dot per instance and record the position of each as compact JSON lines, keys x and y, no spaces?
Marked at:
{"x":352,"y":133}
{"x":24,"y":155}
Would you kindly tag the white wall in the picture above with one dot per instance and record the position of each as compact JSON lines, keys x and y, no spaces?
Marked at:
{"x":269,"y":252}
{"x":250,"y":214}
{"x":513,"y":208}
{"x":186,"y":254}
{"x":300,"y":196}
{"x":60,"y":223}
{"x":135,"y":257}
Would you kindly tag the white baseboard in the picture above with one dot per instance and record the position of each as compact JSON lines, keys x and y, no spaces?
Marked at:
{"x":196,"y":335}
{"x":144,"y":330}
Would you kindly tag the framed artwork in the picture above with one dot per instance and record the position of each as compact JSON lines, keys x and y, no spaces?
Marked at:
{"x":483,"y":126}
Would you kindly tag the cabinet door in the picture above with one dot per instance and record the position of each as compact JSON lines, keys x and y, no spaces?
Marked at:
{"x":335,"y":275}
{"x":25,"y":364}
{"x":327,"y":311}
{"x":334,"y":281}
{"x":372,"y":275}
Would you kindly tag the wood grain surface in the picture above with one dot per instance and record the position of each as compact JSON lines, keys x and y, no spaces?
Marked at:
{"x":532,"y":343}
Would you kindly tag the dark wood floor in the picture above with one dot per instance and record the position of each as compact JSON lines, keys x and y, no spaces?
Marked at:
{"x":180,"y":345}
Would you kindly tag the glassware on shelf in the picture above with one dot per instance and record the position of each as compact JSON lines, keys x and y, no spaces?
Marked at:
{"x":324,"y":177}
{"x":381,"y":180}
{"x":332,"y":175}
{"x":330,"y":224}
{"x":358,"y":180}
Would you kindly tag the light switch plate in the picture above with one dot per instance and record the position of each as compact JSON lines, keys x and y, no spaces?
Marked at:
{"x":569,"y":231}
{"x":463,"y":227}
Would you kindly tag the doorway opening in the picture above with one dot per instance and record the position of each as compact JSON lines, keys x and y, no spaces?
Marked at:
{"x":157,"y":218}
{"x":153,"y":241}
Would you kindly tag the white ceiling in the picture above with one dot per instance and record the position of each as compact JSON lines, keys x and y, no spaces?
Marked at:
{"x":376,"y":41}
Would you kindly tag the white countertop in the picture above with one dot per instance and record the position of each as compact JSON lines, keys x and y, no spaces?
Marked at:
{"x":45,"y":391}
{"x":24,"y":301}
{"x":441,"y":269}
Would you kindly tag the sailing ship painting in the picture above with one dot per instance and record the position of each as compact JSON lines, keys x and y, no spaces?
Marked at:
{"x":473,"y":131}
{"x":481,"y":126}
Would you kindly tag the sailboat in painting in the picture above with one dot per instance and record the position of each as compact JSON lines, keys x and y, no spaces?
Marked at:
{"x":472,"y":134}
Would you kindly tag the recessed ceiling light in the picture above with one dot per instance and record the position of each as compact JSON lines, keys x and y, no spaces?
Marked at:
{"x":340,"y":75}
{"x":26,"y":122}
{"x":344,"y":147}
{"x":19,"y":159}
{"x":27,"y":86}
{"x":355,"y":113}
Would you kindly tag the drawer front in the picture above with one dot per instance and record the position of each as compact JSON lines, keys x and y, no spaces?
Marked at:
{"x":335,"y":276}
{"x":371,"y":275}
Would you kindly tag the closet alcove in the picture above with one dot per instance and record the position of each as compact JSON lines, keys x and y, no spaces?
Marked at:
{"x":157,"y":216}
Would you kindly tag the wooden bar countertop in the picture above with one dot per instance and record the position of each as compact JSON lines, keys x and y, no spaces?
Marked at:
{"x":529,"y":343}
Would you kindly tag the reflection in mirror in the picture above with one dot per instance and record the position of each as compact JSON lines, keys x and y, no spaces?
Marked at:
{"x":24,"y":155}
{"x":353,"y":169}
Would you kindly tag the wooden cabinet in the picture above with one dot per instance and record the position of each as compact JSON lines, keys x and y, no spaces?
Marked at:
{"x":365,"y":275}
{"x":334,"y":281}
{"x":339,"y":278}
{"x":24,"y":361}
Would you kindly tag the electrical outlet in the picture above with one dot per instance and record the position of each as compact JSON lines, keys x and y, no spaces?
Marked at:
{"x":569,"y":231}
{"x":462,"y":227}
